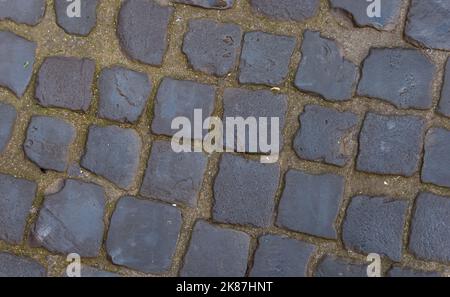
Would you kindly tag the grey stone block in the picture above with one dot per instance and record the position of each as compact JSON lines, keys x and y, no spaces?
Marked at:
{"x":82,"y":25}
{"x":330,"y":266}
{"x":287,"y":10}
{"x":8,"y":115}
{"x":15,"y":266}
{"x":28,"y":12}
{"x":436,"y":161}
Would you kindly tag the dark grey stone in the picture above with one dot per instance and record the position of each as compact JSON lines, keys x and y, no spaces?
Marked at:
{"x":179,"y":98}
{"x":123,"y":94}
{"x":278,"y":256}
{"x":390,"y":144}
{"x":408,"y":272}
{"x":326,"y":135}
{"x":82,"y":25}
{"x":17,"y":56}
{"x":323,"y":69}
{"x":444,"y":103}
{"x":210,"y":4}
{"x":143,"y":235}
{"x":330,"y":266}
{"x":287,"y":10}
{"x":113,"y":153}
{"x":265,"y":58}
{"x":430,"y":236}
{"x":173,"y":177}
{"x":88,"y":271}
{"x":142,"y":29}
{"x":212,"y":47}
{"x":436,"y":164}
{"x":15,"y":266}
{"x":8,"y":117}
{"x":71,"y":221}
{"x":400,"y":76}
{"x":244,"y":191}
{"x":310,"y":203}
{"x":48,"y":142}
{"x":428,"y":23}
{"x":375,"y":225}
{"x":16,"y":199}
{"x":216,"y":252}
{"x":28,"y":12}
{"x":65,"y":82}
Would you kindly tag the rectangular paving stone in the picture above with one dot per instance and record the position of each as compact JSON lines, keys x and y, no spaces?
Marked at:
{"x":331,"y":266}
{"x":310,"y":203}
{"x":210,"y":4}
{"x":444,"y":103}
{"x":8,"y":115}
{"x":286,"y":10}
{"x":216,"y":252}
{"x":436,"y":160}
{"x":81,"y":25}
{"x":390,"y":144}
{"x":409,"y":272}
{"x":278,"y":256}
{"x":16,"y":266}
{"x":244,"y":191}
{"x":29,"y":12}
{"x":143,"y":235}
{"x":375,"y":225}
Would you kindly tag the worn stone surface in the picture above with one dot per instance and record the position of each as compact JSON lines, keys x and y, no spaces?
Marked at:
{"x":436,"y":160}
{"x":8,"y":115}
{"x":331,"y":266}
{"x":28,"y":12}
{"x":212,"y":47}
{"x":143,"y":235}
{"x":408,"y":272}
{"x":81,"y":25}
{"x":210,"y":4}
{"x":444,"y":102}
{"x":287,"y":10}
{"x":323,"y":70}
{"x":15,"y":266}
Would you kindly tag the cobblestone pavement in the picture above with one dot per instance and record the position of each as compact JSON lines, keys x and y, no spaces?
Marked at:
{"x":86,"y":167}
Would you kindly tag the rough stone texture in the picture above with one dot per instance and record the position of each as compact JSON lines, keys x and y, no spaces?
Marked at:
{"x":8,"y":117}
{"x":436,"y":164}
{"x":244,"y":191}
{"x":16,"y":199}
{"x":305,"y":208}
{"x":113,"y":153}
{"x":408,"y":272}
{"x":216,"y":252}
{"x":15,"y":266}
{"x":87,"y":271}
{"x":65,"y":82}
{"x":390,"y":144}
{"x":265,"y":58}
{"x":389,"y":13}
{"x":278,"y":256}
{"x":48,"y":142}
{"x":428,"y":23}
{"x":330,"y":266}
{"x":444,"y":103}
{"x":82,"y":25}
{"x":17,"y":56}
{"x":375,"y":225}
{"x":210,"y":4}
{"x":179,"y":98}
{"x":28,"y":12}
{"x":143,"y":235}
{"x":287,"y":10}
{"x":173,"y":177}
{"x":212,"y":47}
{"x":323,"y":70}
{"x":400,"y":76}
{"x":326,"y":135}
{"x":71,"y":221}
{"x":430,"y":228}
{"x":142,"y":30}
{"x":123,"y":94}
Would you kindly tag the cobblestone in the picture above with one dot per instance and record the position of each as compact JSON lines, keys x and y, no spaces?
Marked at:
{"x":444,"y":103}
{"x":28,"y":12}
{"x":408,"y":272}
{"x":286,"y":10}
{"x":211,"y":4}
{"x":436,"y":160}
{"x":331,"y":266}
{"x":14,"y":266}
{"x":8,"y":115}
{"x":81,"y":25}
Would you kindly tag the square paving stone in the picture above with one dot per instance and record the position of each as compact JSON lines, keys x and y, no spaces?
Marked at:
{"x":210,"y":4}
{"x":143,"y":235}
{"x":428,"y":23}
{"x":310,"y":203}
{"x":436,"y":161}
{"x":216,"y":252}
{"x":278,"y":256}
{"x":444,"y":103}
{"x":65,"y":82}
{"x":212,"y":47}
{"x":81,"y":25}
{"x":179,"y":98}
{"x":244,"y":191}
{"x":16,"y":199}
{"x":28,"y":12}
{"x":430,"y":228}
{"x":375,"y":225}
{"x":323,"y":70}
{"x":331,"y":266}
{"x":287,"y":10}
{"x":173,"y":177}
{"x":71,"y":221}
{"x":15,"y":266}
{"x":408,"y":272}
{"x":400,"y":76}
{"x":8,"y":115}
{"x":390,"y":144}
{"x":326,"y":135}
{"x":142,"y":30}
{"x":123,"y":94}
{"x":17,"y":56}
{"x":48,"y":142}
{"x":113,"y":153}
{"x":265,"y":58}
